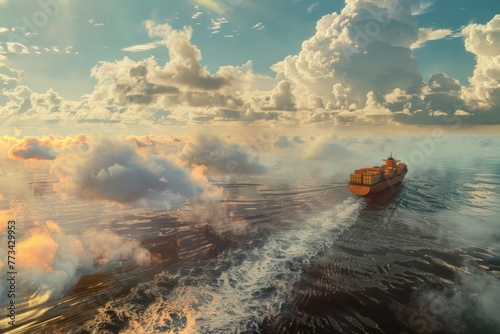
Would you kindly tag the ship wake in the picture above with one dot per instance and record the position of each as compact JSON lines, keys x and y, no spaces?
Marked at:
{"x":237,"y":291}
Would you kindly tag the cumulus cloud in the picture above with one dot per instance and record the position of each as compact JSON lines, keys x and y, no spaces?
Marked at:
{"x":344,"y":66}
{"x":444,"y":99}
{"x":438,"y":102}
{"x":483,"y":39}
{"x":54,"y":261}
{"x":182,"y":82}
{"x":113,"y":170}
{"x":32,"y":148}
{"x":23,"y":103}
{"x":125,"y":82}
{"x":282,"y":98}
{"x":365,"y":48}
{"x":357,"y":67}
{"x":484,"y":92}
{"x":145,"y":90}
{"x":183,"y":66}
{"x":219,"y":156}
{"x":145,"y":81}
{"x":374,"y":108}
{"x":442,"y":93}
{"x":9,"y":78}
{"x":39,"y":148}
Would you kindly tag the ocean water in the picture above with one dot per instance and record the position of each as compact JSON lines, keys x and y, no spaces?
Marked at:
{"x":291,"y":257}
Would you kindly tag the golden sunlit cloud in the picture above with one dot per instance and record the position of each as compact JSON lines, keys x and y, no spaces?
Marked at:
{"x":53,"y":259}
{"x":38,"y":251}
{"x":38,"y":148}
{"x":32,"y":148}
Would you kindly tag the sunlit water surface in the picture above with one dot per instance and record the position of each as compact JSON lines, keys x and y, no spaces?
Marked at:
{"x":294,"y":257}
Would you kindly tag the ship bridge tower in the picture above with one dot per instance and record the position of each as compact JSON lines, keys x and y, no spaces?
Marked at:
{"x":390,"y":162}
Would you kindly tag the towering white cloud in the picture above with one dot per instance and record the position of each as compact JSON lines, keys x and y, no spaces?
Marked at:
{"x":282,"y":98}
{"x":357,"y":67}
{"x":365,"y":48}
{"x":484,"y":91}
{"x":180,"y":82}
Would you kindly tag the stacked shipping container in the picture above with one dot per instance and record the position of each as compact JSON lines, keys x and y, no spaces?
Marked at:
{"x":357,"y":178}
{"x":366,"y":176}
{"x":370,"y":178}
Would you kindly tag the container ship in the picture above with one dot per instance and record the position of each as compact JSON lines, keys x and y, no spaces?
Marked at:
{"x":369,"y":180}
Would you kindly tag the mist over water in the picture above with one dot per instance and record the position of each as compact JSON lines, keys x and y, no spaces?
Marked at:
{"x":291,"y":256}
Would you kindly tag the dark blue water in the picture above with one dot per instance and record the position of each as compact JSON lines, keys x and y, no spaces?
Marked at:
{"x":306,"y":257}
{"x":423,"y":258}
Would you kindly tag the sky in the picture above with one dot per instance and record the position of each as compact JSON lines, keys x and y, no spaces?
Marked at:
{"x":155,"y":63}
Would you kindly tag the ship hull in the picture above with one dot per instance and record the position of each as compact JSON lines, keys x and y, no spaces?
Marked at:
{"x":364,"y":190}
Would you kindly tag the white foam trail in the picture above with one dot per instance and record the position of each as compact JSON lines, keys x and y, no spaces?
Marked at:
{"x":242,"y":296}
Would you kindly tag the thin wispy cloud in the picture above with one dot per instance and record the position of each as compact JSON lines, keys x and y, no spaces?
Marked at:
{"x":259,"y":26}
{"x":95,"y":23}
{"x":21,"y":49}
{"x":196,"y":15}
{"x":429,"y":34}
{"x":425,"y":7}
{"x":311,"y":7}
{"x":143,"y":47}
{"x":216,"y":25}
